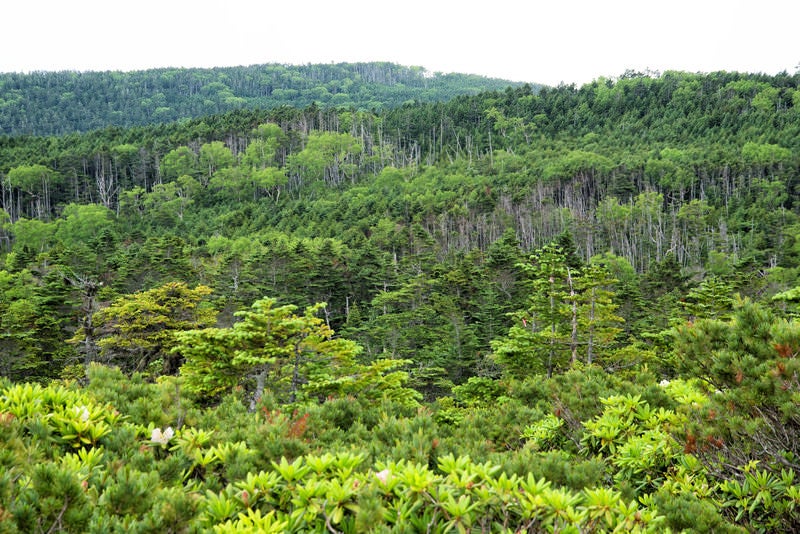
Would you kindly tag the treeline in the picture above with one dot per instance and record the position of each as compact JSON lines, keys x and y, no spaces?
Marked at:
{"x":56,"y":103}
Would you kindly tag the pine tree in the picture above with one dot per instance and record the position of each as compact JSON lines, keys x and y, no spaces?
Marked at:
{"x":138,"y":330}
{"x":570,"y":316}
{"x":537,"y":340}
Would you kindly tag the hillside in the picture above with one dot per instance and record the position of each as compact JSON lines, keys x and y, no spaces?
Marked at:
{"x":47,"y":103}
{"x":517,"y":310}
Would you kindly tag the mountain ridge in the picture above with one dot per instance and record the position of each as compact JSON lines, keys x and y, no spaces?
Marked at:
{"x":62,"y":102}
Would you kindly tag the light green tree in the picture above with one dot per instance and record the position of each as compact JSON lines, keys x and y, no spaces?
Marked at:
{"x":178,"y":162}
{"x":327,"y":156}
{"x":214,"y":156}
{"x":137,"y":331}
{"x":272,"y":347}
{"x":35,"y":181}
{"x":171,"y":198}
{"x":263,"y":150}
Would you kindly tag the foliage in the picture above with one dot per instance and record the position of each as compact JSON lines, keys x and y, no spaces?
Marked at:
{"x":570,"y":312}
{"x":295,"y":356}
{"x":137,"y":332}
{"x":81,"y":101}
{"x":137,"y":475}
{"x":568,"y":309}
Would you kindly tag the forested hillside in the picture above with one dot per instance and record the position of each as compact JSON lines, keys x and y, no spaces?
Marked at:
{"x":48,"y":103}
{"x":567,"y":309}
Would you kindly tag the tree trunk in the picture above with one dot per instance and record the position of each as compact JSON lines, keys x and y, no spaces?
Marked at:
{"x":552,"y":331}
{"x":590,"y":341}
{"x":573,"y":343}
{"x":295,"y":375}
{"x":261,"y":381}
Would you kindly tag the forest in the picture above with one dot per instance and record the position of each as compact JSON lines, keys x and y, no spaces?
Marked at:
{"x":57,"y":103}
{"x":520,"y":309}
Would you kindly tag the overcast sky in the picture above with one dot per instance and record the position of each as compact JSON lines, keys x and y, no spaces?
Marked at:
{"x":552,"y":41}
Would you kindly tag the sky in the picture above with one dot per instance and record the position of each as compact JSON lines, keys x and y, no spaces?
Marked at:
{"x":550,"y":42}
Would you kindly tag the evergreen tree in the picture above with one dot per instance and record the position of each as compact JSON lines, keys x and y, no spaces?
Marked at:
{"x":137,"y":332}
{"x":570,"y":317}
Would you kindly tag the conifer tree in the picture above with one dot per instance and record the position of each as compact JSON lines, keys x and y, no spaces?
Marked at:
{"x":137,"y":331}
{"x":570,"y":316}
{"x":539,"y":335}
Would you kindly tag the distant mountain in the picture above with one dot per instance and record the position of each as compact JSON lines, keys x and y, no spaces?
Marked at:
{"x":54,"y":103}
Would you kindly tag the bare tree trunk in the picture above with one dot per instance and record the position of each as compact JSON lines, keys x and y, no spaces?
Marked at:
{"x":89,"y":288}
{"x":295,"y":374}
{"x":552,"y":332}
{"x":105,"y":180}
{"x":590,"y":341}
{"x":573,"y":344}
{"x":261,"y":381}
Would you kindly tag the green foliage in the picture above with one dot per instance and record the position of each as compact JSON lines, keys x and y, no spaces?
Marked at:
{"x":162,"y":95}
{"x":72,"y":419}
{"x":750,"y":362}
{"x":148,"y":476}
{"x":569,"y":311}
{"x":544,"y":433}
{"x":143,"y":401}
{"x":52,"y":500}
{"x":492,"y":389}
{"x":139,"y":329}
{"x":327,"y":156}
{"x":297,"y":354}
{"x":767,"y":501}
{"x":479,"y":391}
{"x":30,"y":347}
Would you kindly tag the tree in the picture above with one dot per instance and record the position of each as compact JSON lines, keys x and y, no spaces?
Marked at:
{"x":85,"y":235}
{"x":662,"y":286}
{"x":35,"y":181}
{"x":765,"y":158}
{"x":214,"y":156}
{"x":751,"y":363}
{"x":270,"y":180}
{"x":179,"y":162}
{"x":598,"y":319}
{"x":536,"y":340}
{"x":501,"y":286}
{"x":158,"y":260}
{"x":266,"y":336}
{"x":137,"y":331}
{"x":262,"y":151}
{"x":327,"y":156}
{"x":269,"y":341}
{"x":30,"y":343}
{"x":570,"y":315}
{"x":235,"y":182}
{"x":712,"y":299}
{"x":171,"y":198}
{"x":32,"y":235}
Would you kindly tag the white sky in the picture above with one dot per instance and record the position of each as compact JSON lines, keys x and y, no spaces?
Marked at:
{"x":546,"y":41}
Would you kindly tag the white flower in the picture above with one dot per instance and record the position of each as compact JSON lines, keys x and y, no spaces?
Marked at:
{"x":383,"y":476}
{"x":664,"y":383}
{"x":82,"y":411}
{"x":162,"y":438}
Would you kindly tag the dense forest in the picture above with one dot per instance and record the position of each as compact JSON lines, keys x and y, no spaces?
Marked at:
{"x":55,"y":103}
{"x":528,"y":309}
